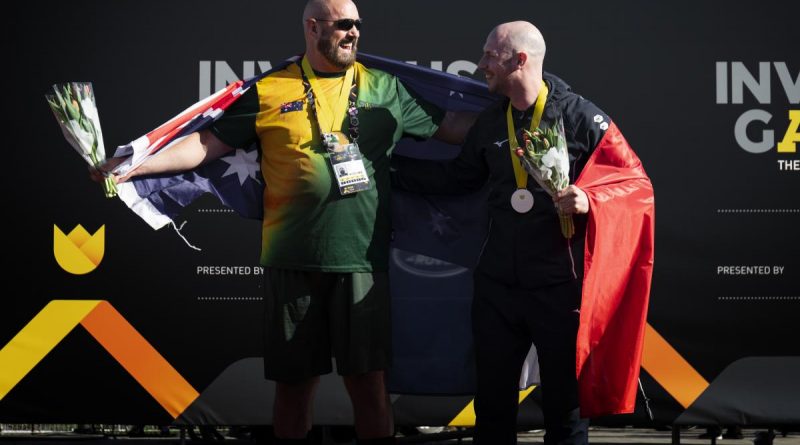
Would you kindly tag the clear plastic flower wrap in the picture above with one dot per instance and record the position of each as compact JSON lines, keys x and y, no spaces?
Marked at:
{"x":75,"y":110}
{"x":545,"y":157}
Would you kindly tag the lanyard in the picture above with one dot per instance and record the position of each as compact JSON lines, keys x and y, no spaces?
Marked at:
{"x":327,"y":117}
{"x":538,"y":109}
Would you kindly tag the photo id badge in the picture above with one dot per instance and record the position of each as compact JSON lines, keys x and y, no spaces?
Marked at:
{"x":347,"y":163}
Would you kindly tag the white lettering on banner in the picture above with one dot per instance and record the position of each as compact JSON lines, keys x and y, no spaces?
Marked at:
{"x":740,"y":131}
{"x":735,"y":77}
{"x":211,"y":80}
{"x":223,"y":74}
{"x":458,"y":68}
{"x":789,"y":164}
{"x":750,"y":270}
{"x":229,"y":270}
{"x":760,"y":88}
{"x":462,"y":67}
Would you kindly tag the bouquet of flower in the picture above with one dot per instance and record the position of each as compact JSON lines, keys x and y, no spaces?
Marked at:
{"x":545,"y":157}
{"x":75,"y":110}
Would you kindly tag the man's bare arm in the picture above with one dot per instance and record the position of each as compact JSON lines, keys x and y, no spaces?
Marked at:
{"x":193,"y":151}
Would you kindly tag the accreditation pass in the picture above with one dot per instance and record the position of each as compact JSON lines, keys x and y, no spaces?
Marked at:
{"x":348,"y":167}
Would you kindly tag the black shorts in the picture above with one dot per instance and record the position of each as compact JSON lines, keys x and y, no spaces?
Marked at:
{"x":314,"y":316}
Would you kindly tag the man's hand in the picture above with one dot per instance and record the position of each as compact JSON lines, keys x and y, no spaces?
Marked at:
{"x":455,"y":126}
{"x":572,"y":200}
{"x":99,"y":174}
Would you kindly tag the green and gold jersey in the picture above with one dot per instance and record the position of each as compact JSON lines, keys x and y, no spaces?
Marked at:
{"x":308,"y":224}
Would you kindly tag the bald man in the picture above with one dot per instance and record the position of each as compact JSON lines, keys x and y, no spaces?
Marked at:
{"x":326,"y":126}
{"x":511,"y":308}
{"x":527,"y":285}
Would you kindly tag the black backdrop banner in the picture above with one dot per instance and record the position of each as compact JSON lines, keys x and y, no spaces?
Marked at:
{"x":707,"y":94}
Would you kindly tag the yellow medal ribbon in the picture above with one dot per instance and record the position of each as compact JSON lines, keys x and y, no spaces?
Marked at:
{"x":327,"y":116}
{"x":519,"y":173}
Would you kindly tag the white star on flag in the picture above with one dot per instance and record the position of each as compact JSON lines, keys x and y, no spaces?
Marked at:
{"x":440,"y":223}
{"x":243,"y":164}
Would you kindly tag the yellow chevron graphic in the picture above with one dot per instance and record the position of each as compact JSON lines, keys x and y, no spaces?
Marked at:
{"x":659,"y":359}
{"x":38,"y":338}
{"x":467,"y":415}
{"x":113,"y":332}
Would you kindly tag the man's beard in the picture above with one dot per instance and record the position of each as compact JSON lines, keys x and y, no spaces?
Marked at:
{"x":498,"y":85}
{"x":330,"y":51}
{"x":495,"y":87}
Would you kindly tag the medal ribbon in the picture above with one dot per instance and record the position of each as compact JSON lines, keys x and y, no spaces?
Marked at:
{"x":519,"y":172}
{"x":327,"y":117}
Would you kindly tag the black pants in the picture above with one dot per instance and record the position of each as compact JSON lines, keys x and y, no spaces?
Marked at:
{"x":505,"y":321}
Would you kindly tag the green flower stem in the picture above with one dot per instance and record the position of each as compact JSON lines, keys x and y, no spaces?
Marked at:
{"x":109,"y":187}
{"x":567,"y":225}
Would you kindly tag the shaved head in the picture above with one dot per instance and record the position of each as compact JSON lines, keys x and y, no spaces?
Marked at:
{"x":324,"y":8}
{"x":315,"y":8}
{"x":520,"y":36}
{"x":513,"y":59}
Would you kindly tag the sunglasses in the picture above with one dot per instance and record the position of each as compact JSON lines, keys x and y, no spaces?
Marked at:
{"x":344,"y":24}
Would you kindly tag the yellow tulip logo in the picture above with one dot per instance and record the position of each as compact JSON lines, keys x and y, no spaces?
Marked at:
{"x":78,"y":252}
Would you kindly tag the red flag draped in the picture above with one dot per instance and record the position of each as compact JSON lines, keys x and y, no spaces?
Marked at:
{"x":618,"y":268}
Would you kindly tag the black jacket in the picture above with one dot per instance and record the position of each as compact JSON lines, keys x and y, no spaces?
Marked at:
{"x":522,"y":250}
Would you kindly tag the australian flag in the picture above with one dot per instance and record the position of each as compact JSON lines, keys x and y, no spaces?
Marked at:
{"x":437,"y":239}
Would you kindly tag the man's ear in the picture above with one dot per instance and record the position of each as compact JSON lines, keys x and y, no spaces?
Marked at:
{"x":522,"y":59}
{"x":311,"y":25}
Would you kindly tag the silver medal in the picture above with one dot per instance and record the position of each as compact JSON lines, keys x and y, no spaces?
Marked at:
{"x":522,"y":201}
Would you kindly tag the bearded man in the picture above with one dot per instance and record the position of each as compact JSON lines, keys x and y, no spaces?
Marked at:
{"x":326,"y":126}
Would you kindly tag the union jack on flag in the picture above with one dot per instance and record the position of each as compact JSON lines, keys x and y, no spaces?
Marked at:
{"x":159,"y":199}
